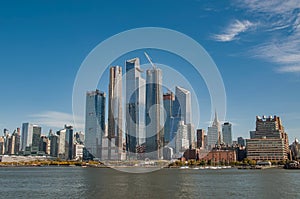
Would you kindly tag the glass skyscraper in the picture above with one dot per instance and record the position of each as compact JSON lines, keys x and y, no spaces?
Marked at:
{"x":182,"y":104}
{"x":182,"y":112}
{"x":115,"y":112}
{"x":168,"y":99}
{"x":227,"y":133}
{"x":30,"y":137}
{"x":154,"y":114}
{"x":94,"y":122}
{"x":135,"y":102}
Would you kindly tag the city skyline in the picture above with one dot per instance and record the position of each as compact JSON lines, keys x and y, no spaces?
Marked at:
{"x":241,"y":44}
{"x":115,"y":78}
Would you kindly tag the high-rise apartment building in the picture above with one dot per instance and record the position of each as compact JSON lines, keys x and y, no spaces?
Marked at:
{"x":94,"y":122}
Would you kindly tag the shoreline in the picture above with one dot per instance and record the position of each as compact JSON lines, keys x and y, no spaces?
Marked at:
{"x":149,"y":167}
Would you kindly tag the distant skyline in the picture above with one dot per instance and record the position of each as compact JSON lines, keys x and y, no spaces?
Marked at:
{"x":255,"y":44}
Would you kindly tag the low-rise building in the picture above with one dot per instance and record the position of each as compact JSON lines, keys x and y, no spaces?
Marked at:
{"x":266,"y":149}
{"x":218,"y":155}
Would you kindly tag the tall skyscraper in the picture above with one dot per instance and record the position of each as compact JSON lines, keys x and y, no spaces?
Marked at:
{"x":30,"y":137}
{"x":154,"y":114}
{"x":227,"y":133}
{"x":115,"y":131}
{"x":94,"y":122}
{"x":181,"y":110}
{"x":213,"y":133}
{"x":135,"y":102}
{"x":168,"y":106}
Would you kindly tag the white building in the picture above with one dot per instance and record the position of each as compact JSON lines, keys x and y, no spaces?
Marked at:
{"x":78,"y":151}
{"x":182,"y":141}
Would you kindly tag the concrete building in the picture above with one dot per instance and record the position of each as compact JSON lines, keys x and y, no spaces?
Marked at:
{"x":45,"y":145}
{"x":65,"y":143}
{"x":269,"y":141}
{"x":191,"y":136}
{"x":266,"y":149}
{"x":182,"y":141}
{"x":227,"y":133}
{"x":94,"y":122}
{"x":78,"y":151}
{"x":295,"y":150}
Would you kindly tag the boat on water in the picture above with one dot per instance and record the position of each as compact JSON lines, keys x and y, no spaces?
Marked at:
{"x":184,"y":167}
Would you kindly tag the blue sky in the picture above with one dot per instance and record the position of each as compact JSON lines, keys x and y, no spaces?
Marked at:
{"x":255,"y":44}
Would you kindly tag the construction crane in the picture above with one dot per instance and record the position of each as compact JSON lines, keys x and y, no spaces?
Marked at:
{"x":149,"y":59}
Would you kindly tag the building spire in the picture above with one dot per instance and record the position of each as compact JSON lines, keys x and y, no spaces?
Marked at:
{"x":216,"y":121}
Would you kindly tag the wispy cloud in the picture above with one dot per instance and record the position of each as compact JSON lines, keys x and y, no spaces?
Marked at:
{"x":233,"y":30}
{"x":283,"y":17}
{"x":54,"y":119}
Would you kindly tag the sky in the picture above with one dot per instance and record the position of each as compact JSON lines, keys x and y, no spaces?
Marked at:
{"x":255,"y":45}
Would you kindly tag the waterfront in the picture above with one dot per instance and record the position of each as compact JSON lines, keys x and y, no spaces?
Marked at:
{"x":76,"y":182}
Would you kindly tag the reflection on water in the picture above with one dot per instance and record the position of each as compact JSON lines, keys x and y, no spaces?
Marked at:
{"x":60,"y":182}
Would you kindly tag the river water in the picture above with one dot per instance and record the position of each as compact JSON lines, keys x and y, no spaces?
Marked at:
{"x":73,"y":182}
